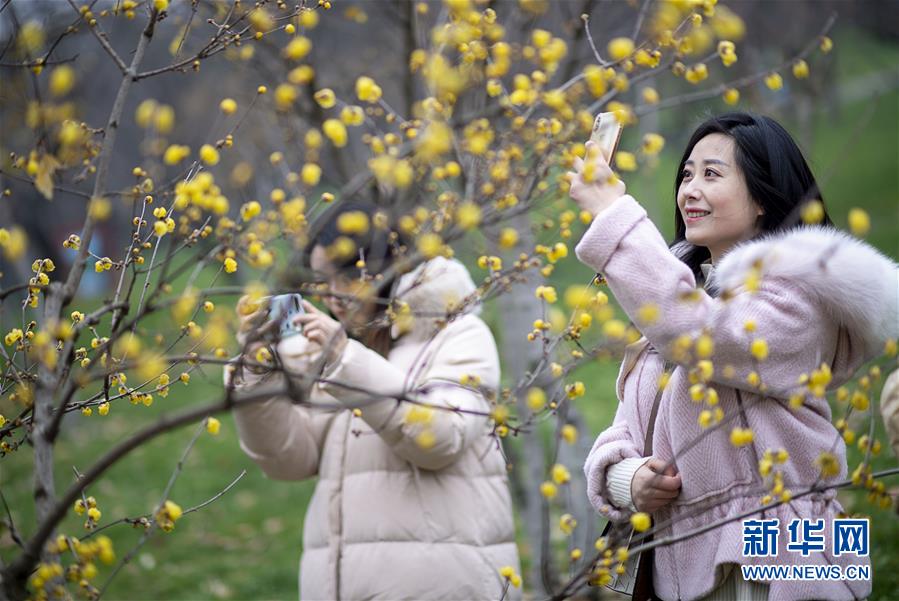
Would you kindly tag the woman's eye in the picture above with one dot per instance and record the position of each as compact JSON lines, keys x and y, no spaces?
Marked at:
{"x":685,"y":174}
{"x":710,"y":173}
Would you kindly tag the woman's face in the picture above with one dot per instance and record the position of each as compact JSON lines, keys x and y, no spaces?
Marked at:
{"x":713,"y":199}
{"x":353,"y":314}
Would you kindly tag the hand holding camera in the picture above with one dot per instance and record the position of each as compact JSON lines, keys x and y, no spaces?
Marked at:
{"x":266,"y":321}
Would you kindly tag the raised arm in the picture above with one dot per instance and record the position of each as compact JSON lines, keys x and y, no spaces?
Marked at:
{"x":430,"y":439}
{"x":626,"y":247}
{"x":285,"y":440}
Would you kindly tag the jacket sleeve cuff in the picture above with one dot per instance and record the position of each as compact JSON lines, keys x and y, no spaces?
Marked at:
{"x":606,"y":231}
{"x":619,"y":477}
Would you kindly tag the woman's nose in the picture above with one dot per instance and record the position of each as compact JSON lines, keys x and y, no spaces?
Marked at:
{"x":691,"y":189}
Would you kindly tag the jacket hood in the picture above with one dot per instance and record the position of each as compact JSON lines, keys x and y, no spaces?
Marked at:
{"x":431,"y":290}
{"x":857,"y":284}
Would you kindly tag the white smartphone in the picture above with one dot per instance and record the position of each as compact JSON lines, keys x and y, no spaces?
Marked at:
{"x":282,"y":308}
{"x":606,"y":134}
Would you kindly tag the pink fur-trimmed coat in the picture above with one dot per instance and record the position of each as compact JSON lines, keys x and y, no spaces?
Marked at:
{"x":837,"y":311}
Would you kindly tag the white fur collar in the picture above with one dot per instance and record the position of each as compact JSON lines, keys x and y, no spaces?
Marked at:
{"x":430,"y":290}
{"x":857,"y":284}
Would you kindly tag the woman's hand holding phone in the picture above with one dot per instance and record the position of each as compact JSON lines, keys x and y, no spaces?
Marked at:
{"x":594,"y":186}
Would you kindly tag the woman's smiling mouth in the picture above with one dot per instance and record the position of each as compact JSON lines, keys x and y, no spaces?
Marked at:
{"x":693,"y":215}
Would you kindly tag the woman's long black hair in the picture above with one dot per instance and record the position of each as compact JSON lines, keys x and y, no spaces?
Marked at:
{"x":777,"y":176}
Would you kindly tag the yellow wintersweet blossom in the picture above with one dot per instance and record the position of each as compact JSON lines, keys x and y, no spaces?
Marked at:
{"x":297,"y":48}
{"x":508,"y":238}
{"x":308,"y":18}
{"x":826,"y":44}
{"x":567,"y":523}
{"x":353,"y":222}
{"x":468,"y":215}
{"x":575,"y":390}
{"x":209,"y":154}
{"x":652,"y":144}
{"x":435,"y":140}
{"x":614,"y":329}
{"x":800,"y":69}
{"x":741,"y":436}
{"x":813,"y":212}
{"x":419,"y":414}
{"x":759,"y":349}
{"x":508,"y":572}
{"x":285,"y":95}
{"x":213,"y":425}
{"x":731,"y":96}
{"x":352,"y":115}
{"x":230,"y":265}
{"x":536,"y":399}
{"x":367,"y":90}
{"x":301,"y":75}
{"x":13,"y":336}
{"x":696,"y":73}
{"x":727,"y":52}
{"x":648,"y":314}
{"x":160,"y":228}
{"x":164,"y":118}
{"x":560,"y":474}
{"x":335,"y":131}
{"x":430,"y":245}
{"x":620,"y":48}
{"x":250,"y":210}
{"x":548,"y":490}
{"x":859,"y":222}
{"x":175,"y":153}
{"x":151,"y":366}
{"x":547,"y":293}
{"x":774,"y":81}
{"x":641,"y":521}
{"x":325,"y":98}
{"x":62,"y":79}
{"x":569,"y":433}
{"x":426,"y":439}
{"x":829,"y":464}
{"x":311,"y":174}
{"x":626,"y":161}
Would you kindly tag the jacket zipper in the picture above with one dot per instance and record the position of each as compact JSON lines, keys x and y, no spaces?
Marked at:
{"x":337,"y":565}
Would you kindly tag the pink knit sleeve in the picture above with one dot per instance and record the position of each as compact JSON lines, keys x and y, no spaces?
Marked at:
{"x":624,"y":245}
{"x":614,"y":444}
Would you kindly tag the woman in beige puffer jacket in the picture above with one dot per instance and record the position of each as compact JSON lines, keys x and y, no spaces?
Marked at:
{"x":409,"y":504}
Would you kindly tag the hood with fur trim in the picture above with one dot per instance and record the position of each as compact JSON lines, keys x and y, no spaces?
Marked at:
{"x":431,"y":290}
{"x":857,"y":284}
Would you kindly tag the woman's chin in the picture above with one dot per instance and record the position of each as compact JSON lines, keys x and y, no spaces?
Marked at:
{"x":696,"y":238}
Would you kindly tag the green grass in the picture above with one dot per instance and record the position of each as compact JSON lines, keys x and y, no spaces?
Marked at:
{"x":247,"y":543}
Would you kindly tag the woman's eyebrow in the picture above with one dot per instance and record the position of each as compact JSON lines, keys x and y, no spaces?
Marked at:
{"x":708,"y":162}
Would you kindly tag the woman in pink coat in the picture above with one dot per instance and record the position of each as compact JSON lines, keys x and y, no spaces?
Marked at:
{"x":749,"y":304}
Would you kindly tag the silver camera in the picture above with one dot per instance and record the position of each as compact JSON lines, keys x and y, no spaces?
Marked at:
{"x":282,"y":308}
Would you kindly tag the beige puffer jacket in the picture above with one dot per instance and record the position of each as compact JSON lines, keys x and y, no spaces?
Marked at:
{"x":392,"y":518}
